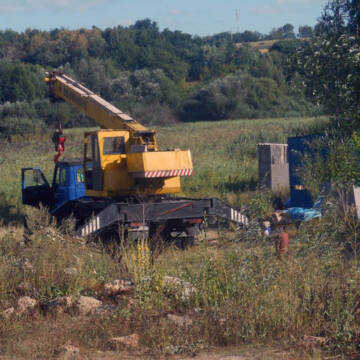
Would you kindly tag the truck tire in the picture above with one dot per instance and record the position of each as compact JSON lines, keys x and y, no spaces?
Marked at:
{"x":186,"y":236}
{"x":192,"y":232}
{"x":177,"y":233}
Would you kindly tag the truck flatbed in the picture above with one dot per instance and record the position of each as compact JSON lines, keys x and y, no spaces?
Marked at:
{"x":163,"y":215}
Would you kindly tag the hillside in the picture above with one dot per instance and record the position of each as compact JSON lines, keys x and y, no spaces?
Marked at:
{"x":160,"y":77}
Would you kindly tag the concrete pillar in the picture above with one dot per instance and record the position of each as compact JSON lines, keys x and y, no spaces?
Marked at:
{"x":273,"y":166}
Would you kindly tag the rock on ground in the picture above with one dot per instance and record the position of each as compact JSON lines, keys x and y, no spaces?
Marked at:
{"x":118,"y":287}
{"x":69,"y":352}
{"x":180,"y":320}
{"x":185,"y":289}
{"x":25,"y":304}
{"x":106,"y":309}
{"x":70,"y":271}
{"x":118,"y":343}
{"x":87,"y":305}
{"x":24,"y":264}
{"x":311,"y":341}
{"x":23,"y":288}
{"x":8,"y":313}
{"x":60,"y":305}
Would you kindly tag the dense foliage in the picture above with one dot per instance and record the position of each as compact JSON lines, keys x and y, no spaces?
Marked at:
{"x":157,"y":76}
{"x":330,"y":63}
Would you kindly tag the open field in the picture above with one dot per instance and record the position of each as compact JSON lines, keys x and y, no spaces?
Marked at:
{"x":224,"y":156}
{"x":263,"y":46}
{"x":233,"y":298}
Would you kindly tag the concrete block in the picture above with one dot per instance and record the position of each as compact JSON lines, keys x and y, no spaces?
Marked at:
{"x":273,"y":166}
{"x":352,"y":199}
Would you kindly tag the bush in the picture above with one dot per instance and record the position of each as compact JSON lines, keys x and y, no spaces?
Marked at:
{"x":245,"y":294}
{"x":21,"y":82}
{"x":26,"y":118}
{"x":41,"y":262}
{"x":22,"y":126}
{"x":243,"y":96}
{"x":154,"y":114}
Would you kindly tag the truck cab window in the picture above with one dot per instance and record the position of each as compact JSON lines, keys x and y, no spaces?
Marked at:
{"x":88,"y":151}
{"x":33,"y":178}
{"x":92,"y":165}
{"x":80,"y":175}
{"x":61,"y":176}
{"x":114,"y":145}
{"x":95,"y":150}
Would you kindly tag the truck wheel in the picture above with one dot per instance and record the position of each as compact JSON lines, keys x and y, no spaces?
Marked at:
{"x":111,"y":235}
{"x":191,"y":233}
{"x":175,"y":233}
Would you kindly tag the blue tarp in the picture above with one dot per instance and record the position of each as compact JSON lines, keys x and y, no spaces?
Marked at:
{"x":303,"y":214}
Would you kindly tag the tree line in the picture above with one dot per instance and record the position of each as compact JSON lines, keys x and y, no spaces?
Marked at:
{"x":158,"y":76}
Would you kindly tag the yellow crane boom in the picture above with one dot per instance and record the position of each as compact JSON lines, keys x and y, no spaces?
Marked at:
{"x":124,"y":159}
{"x":108,"y":116}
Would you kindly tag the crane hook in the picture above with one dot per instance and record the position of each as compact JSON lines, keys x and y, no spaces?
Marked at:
{"x":58,"y":139}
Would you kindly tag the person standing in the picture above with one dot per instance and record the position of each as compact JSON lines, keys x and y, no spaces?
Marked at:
{"x":282,"y":240}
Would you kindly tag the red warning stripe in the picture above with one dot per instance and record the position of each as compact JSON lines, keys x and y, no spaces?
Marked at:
{"x":168,"y":173}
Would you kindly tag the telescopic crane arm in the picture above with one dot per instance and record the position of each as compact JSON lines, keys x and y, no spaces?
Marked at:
{"x":108,"y":116}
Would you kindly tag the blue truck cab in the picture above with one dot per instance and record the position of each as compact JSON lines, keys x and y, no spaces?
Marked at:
{"x":120,"y":218}
{"x":67,"y":185}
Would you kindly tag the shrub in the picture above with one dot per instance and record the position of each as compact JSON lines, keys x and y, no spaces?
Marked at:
{"x":20,"y":126}
{"x":245,"y":294}
{"x":154,"y":114}
{"x":42,"y":262}
{"x":242,"y":96}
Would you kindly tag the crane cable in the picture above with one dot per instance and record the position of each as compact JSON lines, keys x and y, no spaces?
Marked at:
{"x":58,"y":139}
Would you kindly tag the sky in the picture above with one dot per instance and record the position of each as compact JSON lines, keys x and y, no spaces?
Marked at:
{"x":197,"y":17}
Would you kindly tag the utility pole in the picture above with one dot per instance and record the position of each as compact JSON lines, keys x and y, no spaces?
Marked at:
{"x":237,"y":16}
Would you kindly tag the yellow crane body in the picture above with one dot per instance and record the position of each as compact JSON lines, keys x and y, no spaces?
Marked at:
{"x":123,"y":158}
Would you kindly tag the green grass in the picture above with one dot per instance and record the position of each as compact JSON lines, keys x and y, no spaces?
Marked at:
{"x":243,"y":294}
{"x":223,"y":152}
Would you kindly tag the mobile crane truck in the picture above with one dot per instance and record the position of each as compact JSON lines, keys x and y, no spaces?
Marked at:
{"x":124,"y":184}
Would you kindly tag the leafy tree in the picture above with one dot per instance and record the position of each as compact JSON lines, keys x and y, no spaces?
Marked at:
{"x":276,"y":34}
{"x":287,"y":47}
{"x":330,"y":63}
{"x":144,"y":71}
{"x":305,"y":31}
{"x":215,"y":100}
{"x":284,"y":32}
{"x":248,"y":36}
{"x":245,"y":57}
{"x":10,"y":126}
{"x":20,"y":82}
{"x":288,"y":31}
{"x":270,"y":66}
{"x":240,"y":95}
